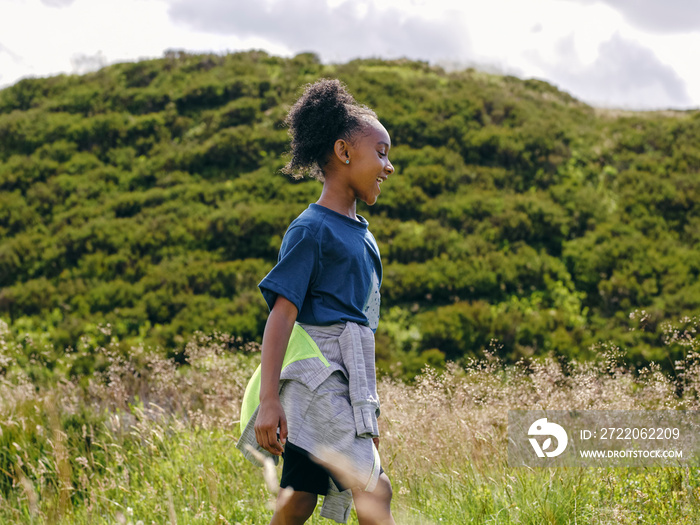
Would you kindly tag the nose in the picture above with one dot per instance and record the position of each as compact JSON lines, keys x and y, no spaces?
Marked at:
{"x":389,"y":168}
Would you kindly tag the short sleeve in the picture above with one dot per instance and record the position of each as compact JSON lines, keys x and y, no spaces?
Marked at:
{"x":295,"y":269}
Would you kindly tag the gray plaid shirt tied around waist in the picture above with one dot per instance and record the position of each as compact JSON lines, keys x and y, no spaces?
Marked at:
{"x":331,"y":414}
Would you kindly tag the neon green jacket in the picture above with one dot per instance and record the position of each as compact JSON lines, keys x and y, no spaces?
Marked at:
{"x":300,"y":346}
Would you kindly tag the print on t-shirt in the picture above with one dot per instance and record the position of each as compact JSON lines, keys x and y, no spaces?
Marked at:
{"x":371,"y":308}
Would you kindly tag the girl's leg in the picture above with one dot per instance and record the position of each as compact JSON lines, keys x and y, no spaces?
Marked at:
{"x":296,"y":508}
{"x":374,"y":508}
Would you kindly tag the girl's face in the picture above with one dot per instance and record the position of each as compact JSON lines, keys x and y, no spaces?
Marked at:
{"x":369,"y":161}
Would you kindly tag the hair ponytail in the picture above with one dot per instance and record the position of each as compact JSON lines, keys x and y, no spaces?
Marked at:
{"x":324,"y":113}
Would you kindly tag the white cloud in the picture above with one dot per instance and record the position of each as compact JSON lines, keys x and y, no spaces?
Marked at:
{"x":49,"y":40}
{"x":57,"y":3}
{"x":6,"y":51}
{"x":86,"y":63}
{"x":605,"y":61}
{"x":9,"y":61}
{"x":520,"y":37}
{"x":337,"y":32}
{"x":625,"y":74}
{"x":663,"y":16}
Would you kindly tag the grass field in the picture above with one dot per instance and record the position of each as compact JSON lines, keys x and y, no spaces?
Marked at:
{"x":145,"y":441}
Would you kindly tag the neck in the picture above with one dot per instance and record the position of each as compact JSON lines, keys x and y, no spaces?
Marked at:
{"x":338,"y":198}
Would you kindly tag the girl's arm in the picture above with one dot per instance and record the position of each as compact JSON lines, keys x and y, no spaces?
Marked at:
{"x":275,"y":339}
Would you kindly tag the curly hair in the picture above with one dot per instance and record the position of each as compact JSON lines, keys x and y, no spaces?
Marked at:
{"x":324,"y":113}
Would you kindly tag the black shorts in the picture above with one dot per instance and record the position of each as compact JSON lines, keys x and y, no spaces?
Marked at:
{"x":302,"y":473}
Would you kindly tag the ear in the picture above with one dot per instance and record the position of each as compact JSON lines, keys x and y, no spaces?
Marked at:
{"x":341,"y":150}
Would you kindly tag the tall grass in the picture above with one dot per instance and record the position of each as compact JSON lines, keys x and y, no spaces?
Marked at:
{"x":146,"y":441}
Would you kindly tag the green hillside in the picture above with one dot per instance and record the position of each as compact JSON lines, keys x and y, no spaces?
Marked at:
{"x":144,"y":202}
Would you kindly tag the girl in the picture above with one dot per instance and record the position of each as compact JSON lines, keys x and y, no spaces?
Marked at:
{"x":316,"y":385}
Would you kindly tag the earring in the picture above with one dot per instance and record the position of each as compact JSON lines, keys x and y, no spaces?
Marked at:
{"x":347,"y":161}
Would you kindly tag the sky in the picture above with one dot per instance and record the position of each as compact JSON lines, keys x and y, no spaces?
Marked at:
{"x":629,"y":54}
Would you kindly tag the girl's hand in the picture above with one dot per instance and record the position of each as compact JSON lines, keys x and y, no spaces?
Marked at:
{"x":275,"y":340}
{"x":271,"y":417}
{"x":376,"y":442}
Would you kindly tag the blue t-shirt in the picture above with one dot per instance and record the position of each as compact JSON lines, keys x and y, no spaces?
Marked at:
{"x":329,"y":267}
